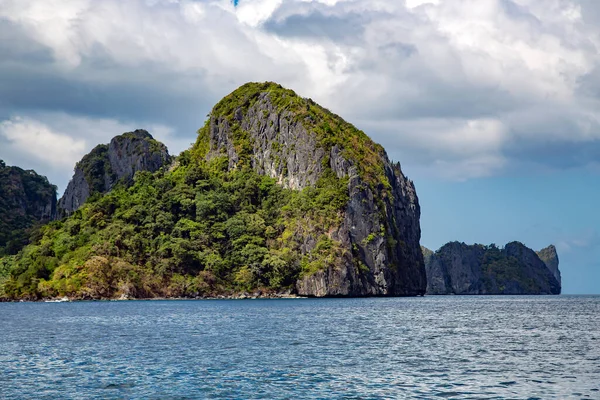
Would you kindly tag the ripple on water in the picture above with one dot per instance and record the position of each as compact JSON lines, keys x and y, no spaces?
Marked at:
{"x":432,"y":347}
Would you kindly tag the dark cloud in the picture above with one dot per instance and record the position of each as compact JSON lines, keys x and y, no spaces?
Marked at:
{"x":560,"y":141}
{"x":316,"y":25}
{"x":16,"y":47}
{"x":30,"y":81}
{"x":590,"y":11}
{"x":589,"y":84}
{"x":519,"y":13}
{"x":559,"y":155}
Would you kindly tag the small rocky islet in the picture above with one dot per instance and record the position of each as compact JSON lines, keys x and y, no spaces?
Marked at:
{"x":458,"y":268}
{"x":277,"y":197}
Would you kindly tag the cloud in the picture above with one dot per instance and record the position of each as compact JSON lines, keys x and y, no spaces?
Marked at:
{"x":35,"y":139}
{"x":52,"y":143}
{"x":456,"y":149}
{"x":458,"y":89}
{"x":584,"y":240}
{"x":317,"y":26}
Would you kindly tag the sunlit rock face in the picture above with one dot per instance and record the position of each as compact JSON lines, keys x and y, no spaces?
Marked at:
{"x":298,"y":144}
{"x":106,"y":165}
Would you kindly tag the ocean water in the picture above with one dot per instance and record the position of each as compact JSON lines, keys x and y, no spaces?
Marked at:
{"x":515,"y":347}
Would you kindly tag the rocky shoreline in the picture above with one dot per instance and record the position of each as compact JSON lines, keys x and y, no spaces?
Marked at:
{"x":235,"y":296}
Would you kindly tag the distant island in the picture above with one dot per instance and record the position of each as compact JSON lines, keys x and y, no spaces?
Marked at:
{"x":458,"y":268}
{"x":277,"y":197}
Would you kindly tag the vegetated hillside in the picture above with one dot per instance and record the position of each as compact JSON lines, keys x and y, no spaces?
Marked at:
{"x":457,"y":268}
{"x":108,"y":164}
{"x":277,"y":194}
{"x":26,"y":200}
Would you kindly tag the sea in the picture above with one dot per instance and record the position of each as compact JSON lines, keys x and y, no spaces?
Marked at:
{"x":447,"y":347}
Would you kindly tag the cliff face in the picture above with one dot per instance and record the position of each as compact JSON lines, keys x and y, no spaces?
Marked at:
{"x":106,"y":165}
{"x":277,"y":196}
{"x":26,"y":199}
{"x":299,"y":143}
{"x":550,"y":257}
{"x":457,"y":268}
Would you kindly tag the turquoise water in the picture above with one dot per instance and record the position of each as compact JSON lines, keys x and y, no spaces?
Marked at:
{"x":432,"y":347}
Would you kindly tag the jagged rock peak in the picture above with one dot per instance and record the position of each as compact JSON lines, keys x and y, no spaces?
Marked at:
{"x":458,"y":268}
{"x":107,"y":164}
{"x":294,"y":140}
{"x":549,"y":256}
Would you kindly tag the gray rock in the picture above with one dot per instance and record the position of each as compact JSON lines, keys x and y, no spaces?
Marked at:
{"x":106,"y":165}
{"x":77,"y":192}
{"x":550,"y":257}
{"x":282,"y":148}
{"x":285,"y":148}
{"x":457,"y":268}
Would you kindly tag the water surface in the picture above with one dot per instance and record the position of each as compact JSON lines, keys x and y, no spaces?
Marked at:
{"x":434,"y":347}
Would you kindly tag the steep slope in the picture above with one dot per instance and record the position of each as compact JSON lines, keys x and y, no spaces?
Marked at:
{"x":105,"y":165}
{"x":550,"y":257}
{"x":457,"y":268}
{"x":301,"y":144}
{"x":26,"y":199}
{"x":277,"y":194}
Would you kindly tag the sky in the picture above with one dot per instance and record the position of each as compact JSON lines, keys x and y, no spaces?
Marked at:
{"x":492,"y":107}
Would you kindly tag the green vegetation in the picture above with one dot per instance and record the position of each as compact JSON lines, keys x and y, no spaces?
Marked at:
{"x":25,"y":201}
{"x":5,"y":263}
{"x":330,"y":129}
{"x":499,"y":268}
{"x":95,"y":166}
{"x":201,"y":228}
{"x":197,"y":230}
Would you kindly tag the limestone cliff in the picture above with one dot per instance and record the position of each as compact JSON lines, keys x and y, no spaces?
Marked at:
{"x":106,"y":165}
{"x":458,"y":268}
{"x":26,"y":199}
{"x":550,"y":257}
{"x":300,"y":144}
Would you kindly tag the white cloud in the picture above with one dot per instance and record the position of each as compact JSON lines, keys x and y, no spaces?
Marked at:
{"x":256,"y":12}
{"x":166,"y":135}
{"x":417,"y":3}
{"x":52,"y":23}
{"x":459,"y":89}
{"x":36,"y":139}
{"x":454,"y":149}
{"x":52,"y":143}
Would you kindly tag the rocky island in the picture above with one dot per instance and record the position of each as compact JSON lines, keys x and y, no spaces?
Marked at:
{"x":276,"y":195}
{"x":458,"y":268}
